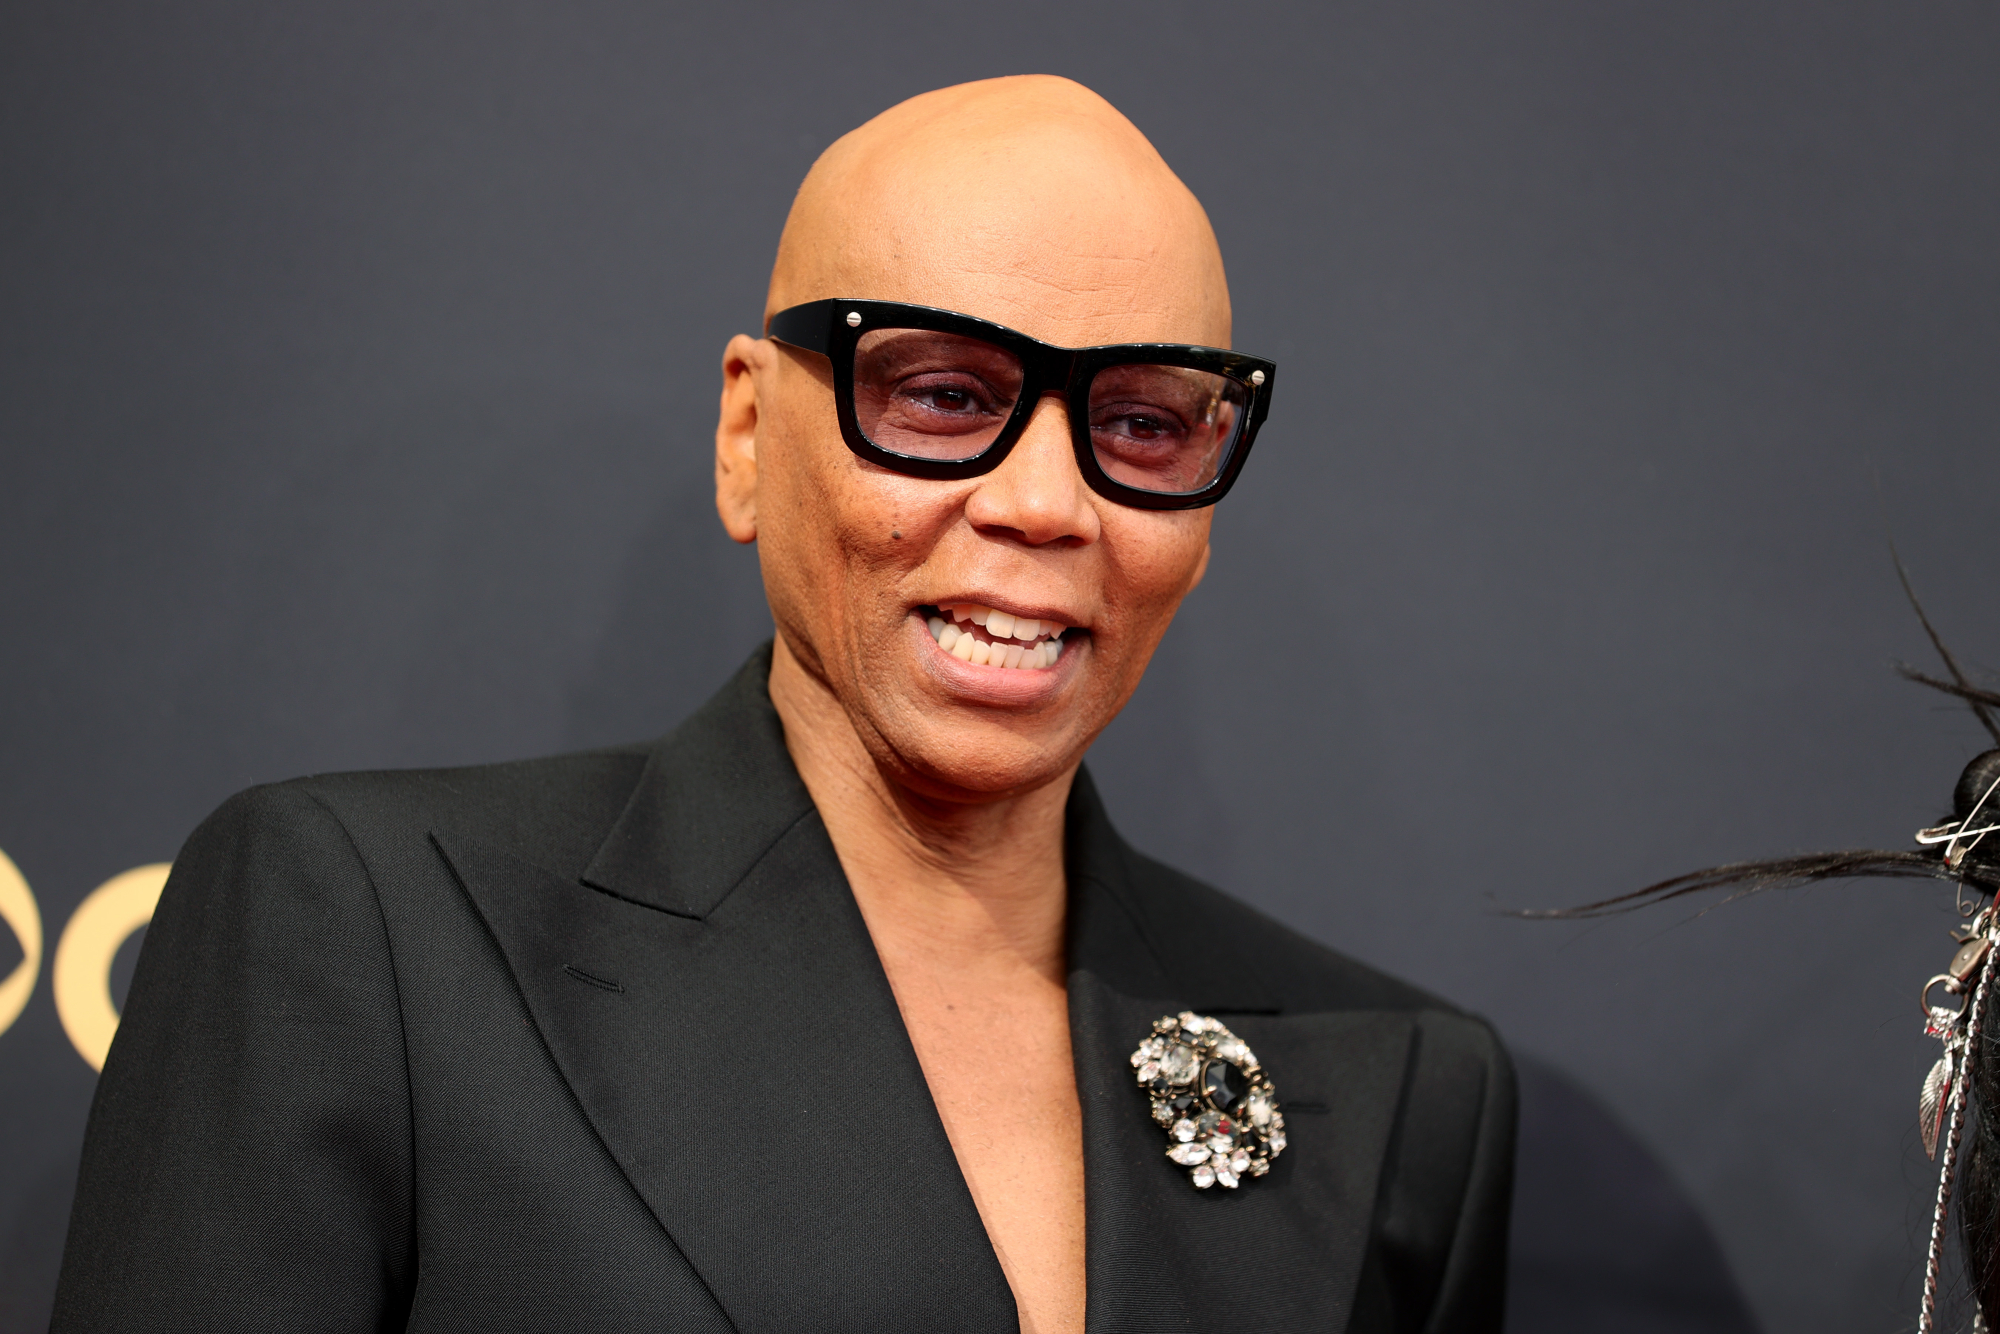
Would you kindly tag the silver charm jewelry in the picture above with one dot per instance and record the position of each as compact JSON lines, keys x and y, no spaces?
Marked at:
{"x":1948,"y":1025}
{"x":1217,"y":1105}
{"x":1941,"y":1103}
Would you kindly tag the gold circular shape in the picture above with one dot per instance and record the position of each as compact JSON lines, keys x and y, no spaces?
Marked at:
{"x":82,"y":974}
{"x":24,"y":919}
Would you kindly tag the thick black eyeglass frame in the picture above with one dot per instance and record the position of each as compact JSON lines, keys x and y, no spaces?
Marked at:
{"x":832,"y":329}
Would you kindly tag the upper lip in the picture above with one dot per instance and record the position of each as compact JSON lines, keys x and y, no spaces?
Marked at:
{"x":1018,"y":610}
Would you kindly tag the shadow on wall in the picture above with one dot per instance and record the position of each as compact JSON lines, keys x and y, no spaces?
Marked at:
{"x":1604,"y":1240}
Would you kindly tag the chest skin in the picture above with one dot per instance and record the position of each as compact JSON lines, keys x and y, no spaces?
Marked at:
{"x":994,"y":1044}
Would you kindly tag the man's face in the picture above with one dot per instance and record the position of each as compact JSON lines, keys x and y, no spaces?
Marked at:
{"x":857,"y":558}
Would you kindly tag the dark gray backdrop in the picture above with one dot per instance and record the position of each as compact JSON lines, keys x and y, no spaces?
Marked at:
{"x":359,"y":370}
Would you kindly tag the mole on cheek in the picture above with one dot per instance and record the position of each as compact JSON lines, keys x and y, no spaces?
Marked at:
{"x":896,"y":533}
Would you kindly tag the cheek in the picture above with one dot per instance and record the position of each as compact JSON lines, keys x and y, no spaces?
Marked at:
{"x":795,"y":516}
{"x":834,"y":530}
{"x":1155,"y":557}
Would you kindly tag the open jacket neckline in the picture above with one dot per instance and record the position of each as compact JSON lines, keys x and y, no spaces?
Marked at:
{"x":710,"y":994}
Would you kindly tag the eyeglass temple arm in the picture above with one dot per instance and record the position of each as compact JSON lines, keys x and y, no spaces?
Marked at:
{"x":807,"y":327}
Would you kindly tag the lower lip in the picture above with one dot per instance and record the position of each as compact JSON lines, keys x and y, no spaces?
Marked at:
{"x":996,"y":685}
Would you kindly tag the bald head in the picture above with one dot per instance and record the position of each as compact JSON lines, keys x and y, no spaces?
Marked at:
{"x":1029,"y":201}
{"x":1032,"y":203}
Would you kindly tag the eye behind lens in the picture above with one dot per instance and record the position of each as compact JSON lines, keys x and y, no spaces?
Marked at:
{"x":1166,"y":429}
{"x":930,"y":395}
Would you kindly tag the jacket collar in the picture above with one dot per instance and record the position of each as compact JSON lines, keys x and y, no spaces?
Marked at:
{"x":1124,"y":936}
{"x":719,"y":791}
{"x":715,"y":795}
{"x":710,"y":993}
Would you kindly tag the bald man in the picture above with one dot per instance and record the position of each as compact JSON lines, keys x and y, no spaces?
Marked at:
{"x":843,"y":1006}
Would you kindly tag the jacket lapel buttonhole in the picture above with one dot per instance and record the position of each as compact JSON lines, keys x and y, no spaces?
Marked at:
{"x":591,"y":979}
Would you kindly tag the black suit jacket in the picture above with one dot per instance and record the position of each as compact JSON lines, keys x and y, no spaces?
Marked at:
{"x":600,"y":1042}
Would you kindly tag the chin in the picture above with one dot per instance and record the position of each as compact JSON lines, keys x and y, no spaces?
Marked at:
{"x":949,"y":762}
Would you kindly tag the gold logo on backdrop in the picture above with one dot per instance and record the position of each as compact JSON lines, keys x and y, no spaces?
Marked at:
{"x":24,"y":919}
{"x":82,"y":975}
{"x":104,"y":921}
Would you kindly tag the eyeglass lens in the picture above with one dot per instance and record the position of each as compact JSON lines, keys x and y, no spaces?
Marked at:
{"x":946,"y":397}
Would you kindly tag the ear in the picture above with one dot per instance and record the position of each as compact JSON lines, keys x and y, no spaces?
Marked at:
{"x":736,"y":437}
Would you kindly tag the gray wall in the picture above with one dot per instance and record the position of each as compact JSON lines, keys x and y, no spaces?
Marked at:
{"x":358,"y":377}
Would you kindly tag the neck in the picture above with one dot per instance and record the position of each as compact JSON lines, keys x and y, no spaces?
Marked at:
{"x":970,"y":887}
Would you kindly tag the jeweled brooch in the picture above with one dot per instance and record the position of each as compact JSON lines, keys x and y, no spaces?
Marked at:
{"x":1214,"y":1101}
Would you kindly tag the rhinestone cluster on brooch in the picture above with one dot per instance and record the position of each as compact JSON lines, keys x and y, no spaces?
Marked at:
{"x":1214,"y":1101}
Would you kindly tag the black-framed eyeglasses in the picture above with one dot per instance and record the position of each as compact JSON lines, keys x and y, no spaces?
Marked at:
{"x":933,"y":393}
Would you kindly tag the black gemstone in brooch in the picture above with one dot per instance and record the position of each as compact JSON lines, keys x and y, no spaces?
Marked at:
{"x":1214,"y":1101}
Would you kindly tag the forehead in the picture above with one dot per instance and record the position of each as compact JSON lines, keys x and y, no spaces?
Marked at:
{"x":1059,"y":231}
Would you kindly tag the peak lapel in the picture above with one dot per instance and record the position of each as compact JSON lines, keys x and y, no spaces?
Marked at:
{"x":746,"y":1064}
{"x":1284,"y":1251}
{"x":714,"y":796}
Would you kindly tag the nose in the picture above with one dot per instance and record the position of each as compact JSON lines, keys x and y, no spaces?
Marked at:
{"x":1037,"y":496}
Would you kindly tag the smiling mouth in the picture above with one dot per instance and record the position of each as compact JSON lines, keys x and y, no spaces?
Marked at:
{"x":986,"y":637}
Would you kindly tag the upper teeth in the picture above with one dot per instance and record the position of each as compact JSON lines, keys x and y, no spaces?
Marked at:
{"x":992,"y":649}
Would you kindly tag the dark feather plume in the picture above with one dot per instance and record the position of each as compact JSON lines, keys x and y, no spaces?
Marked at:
{"x":1976,"y":699}
{"x":1970,"y":694}
{"x":1778,"y":873}
{"x":1981,"y":870}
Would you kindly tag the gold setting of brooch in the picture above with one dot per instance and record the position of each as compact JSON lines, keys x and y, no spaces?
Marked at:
{"x":1215,"y":1102}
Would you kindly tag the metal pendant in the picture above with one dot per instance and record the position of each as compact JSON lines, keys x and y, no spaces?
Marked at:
{"x":1936,"y":1097}
{"x":1947,"y":1024}
{"x":1941,"y":1105}
{"x":1216,"y":1103}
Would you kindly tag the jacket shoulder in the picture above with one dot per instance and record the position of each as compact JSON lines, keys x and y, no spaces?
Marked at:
{"x":553,"y":810}
{"x":1239,"y":946}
